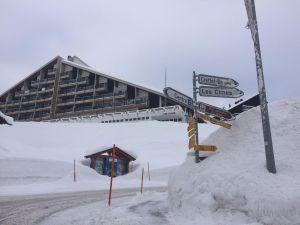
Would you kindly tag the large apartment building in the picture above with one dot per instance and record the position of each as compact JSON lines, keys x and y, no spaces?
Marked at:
{"x":69,"y":87}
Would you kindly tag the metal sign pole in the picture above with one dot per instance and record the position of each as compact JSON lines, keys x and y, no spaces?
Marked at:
{"x":197,"y":158}
{"x":270,"y":160}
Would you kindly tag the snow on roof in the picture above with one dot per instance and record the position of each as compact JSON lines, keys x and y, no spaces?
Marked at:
{"x":103,"y":148}
{"x":9,"y":120}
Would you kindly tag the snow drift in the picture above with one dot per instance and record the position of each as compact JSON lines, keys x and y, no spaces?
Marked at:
{"x":37,"y":157}
{"x":232,"y":186}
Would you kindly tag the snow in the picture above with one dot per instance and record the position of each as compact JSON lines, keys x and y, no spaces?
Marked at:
{"x":8,"y":119}
{"x":232,"y":186}
{"x":37,"y":157}
{"x":103,"y":148}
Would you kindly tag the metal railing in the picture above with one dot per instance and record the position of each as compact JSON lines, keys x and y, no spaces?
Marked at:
{"x":84,"y":88}
{"x":41,"y":81}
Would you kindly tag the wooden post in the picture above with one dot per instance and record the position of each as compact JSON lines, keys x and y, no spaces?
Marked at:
{"x":74,"y":172}
{"x":111,"y":175}
{"x":148,"y":172}
{"x":142,"y":183}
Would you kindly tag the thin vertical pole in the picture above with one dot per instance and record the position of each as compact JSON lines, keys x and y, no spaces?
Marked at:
{"x":252,"y":22}
{"x":111,"y":175}
{"x":197,"y":158}
{"x":142,"y":183}
{"x":148,"y":172}
{"x":74,"y":172}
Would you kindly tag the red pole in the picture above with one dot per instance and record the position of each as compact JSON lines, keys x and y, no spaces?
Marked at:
{"x":74,"y":172}
{"x":111,"y":174}
{"x":142,"y":180}
{"x":148,"y":171}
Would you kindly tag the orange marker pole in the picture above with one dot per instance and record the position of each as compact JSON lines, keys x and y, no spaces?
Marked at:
{"x":111,"y":175}
{"x":142,"y":183}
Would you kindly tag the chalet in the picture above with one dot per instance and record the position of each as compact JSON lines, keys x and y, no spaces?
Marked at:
{"x":101,"y":160}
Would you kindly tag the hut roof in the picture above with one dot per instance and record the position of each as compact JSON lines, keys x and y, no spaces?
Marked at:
{"x":105,"y":149}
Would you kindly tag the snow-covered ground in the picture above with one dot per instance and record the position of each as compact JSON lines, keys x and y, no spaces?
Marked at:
{"x":230,"y":187}
{"x":233,"y":186}
{"x":38,"y":157}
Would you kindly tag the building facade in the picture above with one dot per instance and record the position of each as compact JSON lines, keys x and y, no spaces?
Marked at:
{"x":64,"y":88}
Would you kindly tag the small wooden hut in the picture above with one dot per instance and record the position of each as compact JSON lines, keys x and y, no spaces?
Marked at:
{"x":101,"y":161}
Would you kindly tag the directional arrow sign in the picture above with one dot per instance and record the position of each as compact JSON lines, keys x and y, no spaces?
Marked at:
{"x":214,"y":121}
{"x":178,"y":96}
{"x":217,"y":81}
{"x":221,"y":92}
{"x":213,"y":110}
{"x":209,"y":148}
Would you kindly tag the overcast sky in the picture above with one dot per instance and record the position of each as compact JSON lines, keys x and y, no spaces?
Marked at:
{"x":136,"y":40}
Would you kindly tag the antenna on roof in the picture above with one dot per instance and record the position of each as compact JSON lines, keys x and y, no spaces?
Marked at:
{"x":165,"y":76}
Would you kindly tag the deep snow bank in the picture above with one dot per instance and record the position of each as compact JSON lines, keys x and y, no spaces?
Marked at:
{"x":38,"y":157}
{"x":234,"y":182}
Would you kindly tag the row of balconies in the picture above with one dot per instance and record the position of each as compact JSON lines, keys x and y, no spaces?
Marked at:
{"x":105,"y":105}
{"x":83,"y":89}
{"x":79,"y":80}
{"x":43,"y":81}
{"x":33,"y":91}
{"x":90,"y":97}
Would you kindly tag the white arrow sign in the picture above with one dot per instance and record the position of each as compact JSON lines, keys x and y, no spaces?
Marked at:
{"x":221,"y":92}
{"x":178,"y":96}
{"x":217,"y":81}
{"x":213,"y":110}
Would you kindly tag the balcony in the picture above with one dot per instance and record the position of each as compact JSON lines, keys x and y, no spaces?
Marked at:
{"x":12,"y":110}
{"x":80,"y":80}
{"x":63,"y":111}
{"x":67,"y":91}
{"x":66,"y":74}
{"x":43,"y":106}
{"x":43,"y":81}
{"x":84,"y":98}
{"x":27,"y":109}
{"x":44,"y":98}
{"x":83,"y":108}
{"x":51,"y":71}
{"x":101,"y":87}
{"x":19,"y":93}
{"x":15,"y":102}
{"x":85,"y":89}
{"x":65,"y":101}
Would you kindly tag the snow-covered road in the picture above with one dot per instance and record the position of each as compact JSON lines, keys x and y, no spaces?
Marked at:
{"x":35,"y":209}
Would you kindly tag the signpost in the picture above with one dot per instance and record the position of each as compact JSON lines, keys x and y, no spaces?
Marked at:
{"x":213,"y":110}
{"x":217,"y":81}
{"x":222,"y":92}
{"x":214,"y":121}
{"x":252,"y":23}
{"x":208,"y":148}
{"x":182,"y":98}
{"x":192,"y":132}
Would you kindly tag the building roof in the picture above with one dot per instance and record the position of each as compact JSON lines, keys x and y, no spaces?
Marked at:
{"x":106,"y":149}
